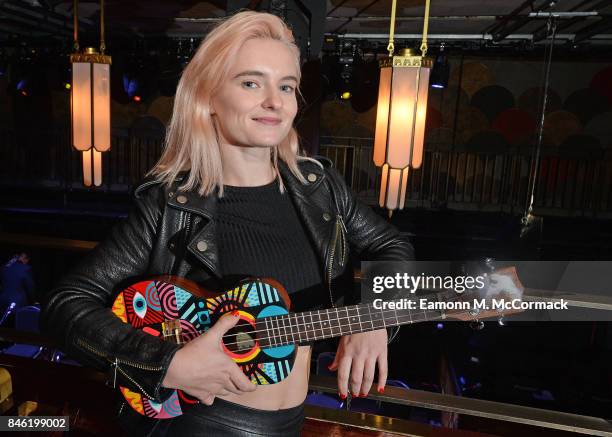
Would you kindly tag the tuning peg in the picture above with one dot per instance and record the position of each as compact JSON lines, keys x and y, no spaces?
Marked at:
{"x":489,"y":264}
{"x":477,"y":325}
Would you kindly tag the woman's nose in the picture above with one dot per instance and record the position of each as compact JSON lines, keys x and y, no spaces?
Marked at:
{"x":272,"y":99}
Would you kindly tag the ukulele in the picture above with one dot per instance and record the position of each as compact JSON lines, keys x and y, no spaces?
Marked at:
{"x":263,"y":342}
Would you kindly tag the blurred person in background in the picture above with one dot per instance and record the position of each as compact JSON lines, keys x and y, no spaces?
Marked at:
{"x":16,"y":283}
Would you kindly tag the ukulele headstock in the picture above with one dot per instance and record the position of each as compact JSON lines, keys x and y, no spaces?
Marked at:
{"x":503,"y":289}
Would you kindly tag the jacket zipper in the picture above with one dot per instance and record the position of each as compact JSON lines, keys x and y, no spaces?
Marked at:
{"x":338,"y":232}
{"x":182,"y":247}
{"x":142,"y":390}
{"x":115,"y":364}
{"x":342,"y":239}
{"x":187,"y":226}
{"x":186,"y":235}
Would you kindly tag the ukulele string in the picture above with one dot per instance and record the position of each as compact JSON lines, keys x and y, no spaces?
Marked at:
{"x":284,"y":343}
{"x":406,"y":318}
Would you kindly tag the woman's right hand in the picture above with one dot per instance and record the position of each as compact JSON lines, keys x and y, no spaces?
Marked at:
{"x":203,"y":370}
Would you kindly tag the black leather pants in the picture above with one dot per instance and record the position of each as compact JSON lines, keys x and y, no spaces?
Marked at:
{"x":225,"y":419}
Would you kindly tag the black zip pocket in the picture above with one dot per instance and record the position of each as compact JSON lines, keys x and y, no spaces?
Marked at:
{"x":115,"y":364}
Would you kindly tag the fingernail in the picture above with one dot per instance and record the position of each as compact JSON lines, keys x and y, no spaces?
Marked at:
{"x":342,"y":396}
{"x":355,"y":395}
{"x":235,"y":313}
{"x":363,"y":395}
{"x":329,"y":367}
{"x":381,"y":390}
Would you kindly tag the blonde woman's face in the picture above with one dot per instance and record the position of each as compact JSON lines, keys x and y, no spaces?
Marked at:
{"x":256,"y":104}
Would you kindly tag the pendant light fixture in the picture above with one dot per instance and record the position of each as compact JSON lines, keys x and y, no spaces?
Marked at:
{"x":90,"y":103}
{"x":400,"y":117}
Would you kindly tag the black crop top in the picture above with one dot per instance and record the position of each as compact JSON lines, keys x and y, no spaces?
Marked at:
{"x":260,"y":234}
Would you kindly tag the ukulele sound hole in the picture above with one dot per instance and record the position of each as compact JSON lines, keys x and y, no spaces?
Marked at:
{"x":241,"y":338}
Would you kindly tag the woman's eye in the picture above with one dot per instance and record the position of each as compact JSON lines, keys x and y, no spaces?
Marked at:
{"x":287,"y":88}
{"x":249,"y":84}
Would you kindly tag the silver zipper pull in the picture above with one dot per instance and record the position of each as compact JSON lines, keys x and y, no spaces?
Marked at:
{"x":115,"y":364}
{"x":339,"y":217}
{"x":342,"y":240}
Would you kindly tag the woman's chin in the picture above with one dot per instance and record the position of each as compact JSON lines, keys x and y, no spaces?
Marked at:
{"x":266,"y":142}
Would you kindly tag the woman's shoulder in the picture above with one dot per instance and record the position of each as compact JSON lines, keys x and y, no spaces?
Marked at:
{"x":319,"y":165}
{"x":324,"y":166}
{"x":314,"y":161}
{"x":152,"y":186}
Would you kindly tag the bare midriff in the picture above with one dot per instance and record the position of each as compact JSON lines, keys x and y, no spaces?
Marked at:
{"x":288,"y":393}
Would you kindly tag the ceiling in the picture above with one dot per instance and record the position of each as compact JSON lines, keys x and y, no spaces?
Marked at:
{"x":494,"y":20}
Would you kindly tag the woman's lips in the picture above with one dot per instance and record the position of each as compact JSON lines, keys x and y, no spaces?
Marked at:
{"x":268,"y":121}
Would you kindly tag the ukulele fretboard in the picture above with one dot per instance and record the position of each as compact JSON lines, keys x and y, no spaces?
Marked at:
{"x":335,"y":322}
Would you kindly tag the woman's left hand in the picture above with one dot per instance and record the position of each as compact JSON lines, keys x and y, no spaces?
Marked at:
{"x":356,"y":360}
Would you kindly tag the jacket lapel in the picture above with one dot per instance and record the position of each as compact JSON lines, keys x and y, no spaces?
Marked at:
{"x":317,"y":218}
{"x":202,"y":244}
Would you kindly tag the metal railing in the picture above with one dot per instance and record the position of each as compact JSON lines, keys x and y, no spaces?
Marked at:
{"x":570,"y":182}
{"x":594,"y":426}
{"x":556,"y":420}
{"x":46,"y":158}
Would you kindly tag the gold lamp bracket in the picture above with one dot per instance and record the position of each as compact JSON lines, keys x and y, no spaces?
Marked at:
{"x":90,"y":54}
{"x":407,"y":57}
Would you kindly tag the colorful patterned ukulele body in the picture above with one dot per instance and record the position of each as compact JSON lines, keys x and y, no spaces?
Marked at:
{"x":180,"y":310}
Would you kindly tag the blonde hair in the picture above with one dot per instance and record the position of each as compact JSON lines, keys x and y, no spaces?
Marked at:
{"x":191,"y":140}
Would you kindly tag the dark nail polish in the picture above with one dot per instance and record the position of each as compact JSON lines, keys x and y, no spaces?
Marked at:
{"x":381,"y":390}
{"x":342,"y":396}
{"x":363,"y":395}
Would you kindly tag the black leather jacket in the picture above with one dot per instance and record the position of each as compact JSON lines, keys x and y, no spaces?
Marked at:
{"x":174,"y":232}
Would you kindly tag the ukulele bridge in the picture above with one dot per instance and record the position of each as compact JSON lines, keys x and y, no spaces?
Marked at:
{"x":172,"y":331}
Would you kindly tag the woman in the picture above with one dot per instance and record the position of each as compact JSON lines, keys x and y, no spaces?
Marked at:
{"x":230,"y":196}
{"x":16,"y":283}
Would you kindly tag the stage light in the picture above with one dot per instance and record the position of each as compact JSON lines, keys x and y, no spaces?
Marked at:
{"x":329,"y":44}
{"x":440,"y":71}
{"x":67,"y":86}
{"x":130,"y":85}
{"x":23,"y":87}
{"x":137,"y":98}
{"x":346,"y":76}
{"x":400,"y":118}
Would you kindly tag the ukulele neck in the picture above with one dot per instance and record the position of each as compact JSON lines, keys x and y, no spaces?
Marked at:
{"x":335,"y":322}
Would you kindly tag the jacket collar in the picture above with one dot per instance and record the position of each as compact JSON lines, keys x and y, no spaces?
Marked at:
{"x":317,"y":221}
{"x":206,"y":206}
